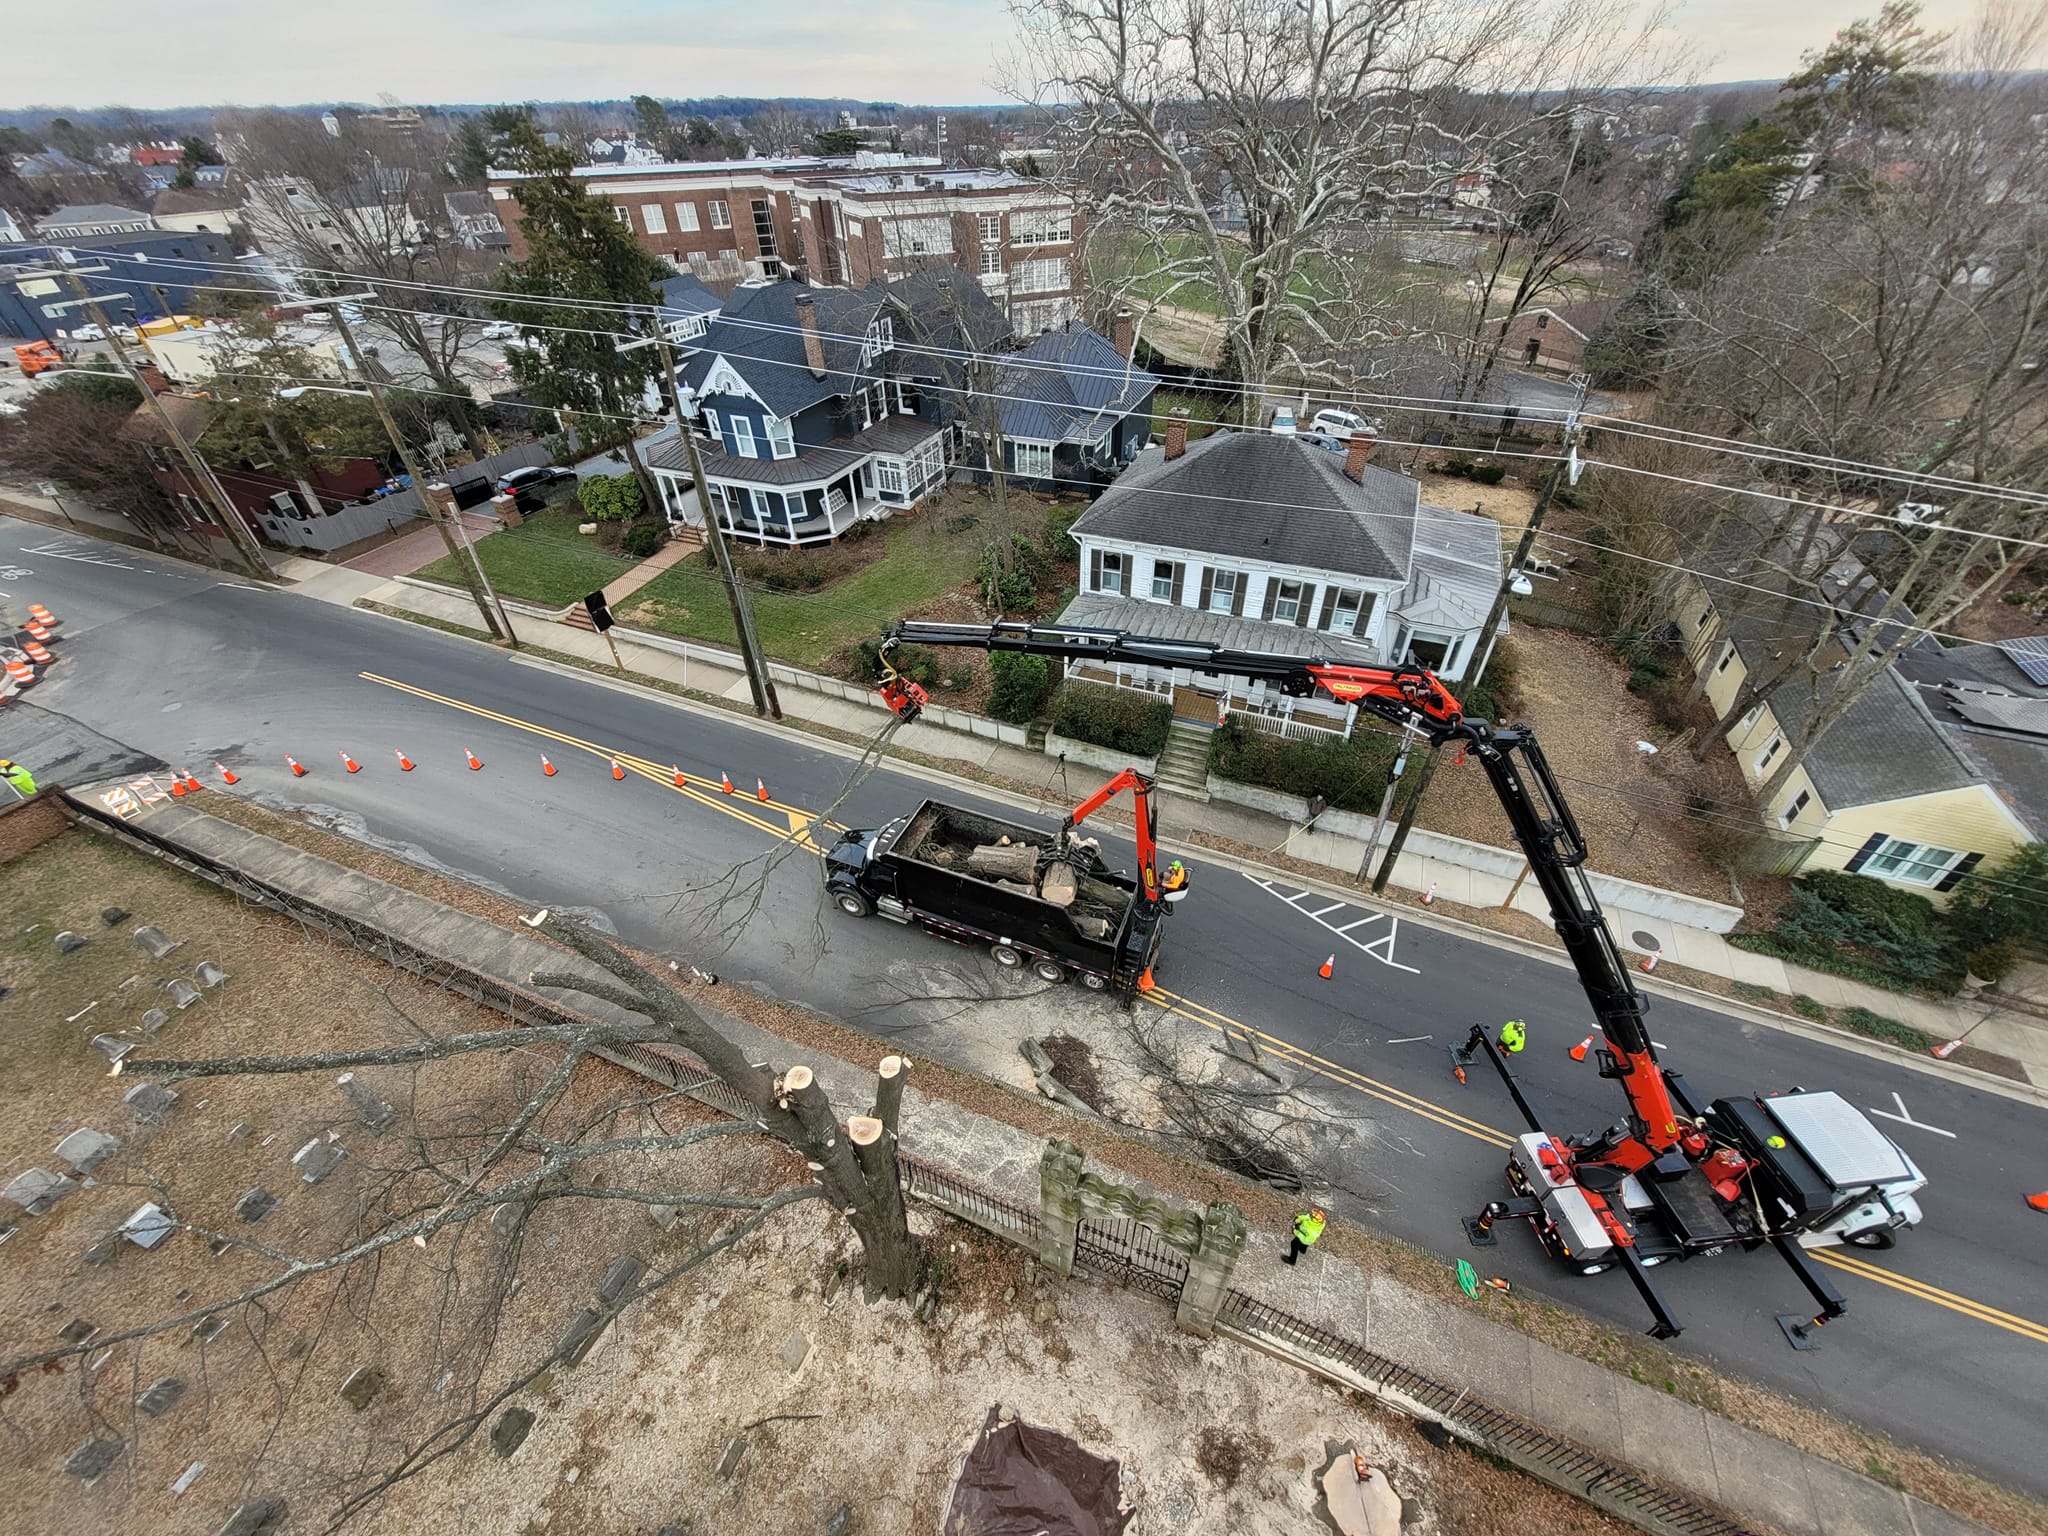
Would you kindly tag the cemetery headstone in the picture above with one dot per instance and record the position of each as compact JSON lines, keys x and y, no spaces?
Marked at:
{"x":149,"y":1226}
{"x":362,"y":1387}
{"x":160,"y":1396}
{"x":113,"y":1047}
{"x":624,"y":1274}
{"x":35,"y":1190}
{"x":152,"y":1101}
{"x":210,"y":975}
{"x":374,"y":1113}
{"x":155,"y":1020}
{"x":86,"y":1149}
{"x":155,"y":944}
{"x":255,"y":1205}
{"x":92,"y":1460}
{"x":581,"y":1336}
{"x":69,"y":942}
{"x":511,"y":1430}
{"x":182,"y":993}
{"x":316,"y":1159}
{"x":259,"y":1517}
{"x":114,"y":917}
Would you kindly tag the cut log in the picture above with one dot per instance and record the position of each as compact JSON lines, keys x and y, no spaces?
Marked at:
{"x":796,"y":1079}
{"x":864,"y":1130}
{"x":1018,"y":862}
{"x":1060,"y":886}
{"x":1092,"y":927}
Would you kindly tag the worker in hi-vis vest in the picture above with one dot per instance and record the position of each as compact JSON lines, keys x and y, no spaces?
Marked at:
{"x":1308,"y":1226}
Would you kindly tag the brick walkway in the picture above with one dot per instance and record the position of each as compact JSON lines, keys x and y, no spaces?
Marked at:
{"x":402,"y":556}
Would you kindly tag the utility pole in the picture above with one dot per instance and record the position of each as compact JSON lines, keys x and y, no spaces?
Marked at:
{"x":498,"y":623}
{"x":758,"y":678}
{"x":1491,"y":628}
{"x":1379,"y":881}
{"x":201,"y":473}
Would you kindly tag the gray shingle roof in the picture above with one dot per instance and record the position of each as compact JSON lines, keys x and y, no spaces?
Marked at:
{"x":685,"y":294}
{"x":1172,"y":621}
{"x":1069,"y":385}
{"x":1457,"y":569}
{"x":1255,"y":496}
{"x":758,"y":335}
{"x":1886,"y":746}
{"x":91,"y":213}
{"x":2016,"y":767}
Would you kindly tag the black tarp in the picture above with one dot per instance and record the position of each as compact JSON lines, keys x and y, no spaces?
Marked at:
{"x":1020,"y":1480}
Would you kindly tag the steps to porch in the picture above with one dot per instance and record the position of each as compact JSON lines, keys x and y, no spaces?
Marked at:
{"x":683,"y":542}
{"x":1184,"y":761}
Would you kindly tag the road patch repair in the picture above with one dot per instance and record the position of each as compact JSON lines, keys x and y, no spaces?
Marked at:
{"x":1371,"y":1317}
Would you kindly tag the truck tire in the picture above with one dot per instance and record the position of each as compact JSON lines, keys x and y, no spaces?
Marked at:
{"x":1093,"y":982}
{"x":1872,"y":1237}
{"x":1005,"y":956}
{"x":1049,"y":971}
{"x":853,"y":904}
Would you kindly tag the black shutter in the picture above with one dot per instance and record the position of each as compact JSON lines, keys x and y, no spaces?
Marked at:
{"x":1308,"y":595}
{"x":1094,"y":570}
{"x":1208,"y":587}
{"x":1329,"y":600}
{"x":1180,"y":573}
{"x":1950,"y":880}
{"x":1237,"y":595}
{"x":1863,"y":854}
{"x":1272,"y":596}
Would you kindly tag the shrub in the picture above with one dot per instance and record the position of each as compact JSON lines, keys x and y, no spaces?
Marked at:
{"x":2007,"y":901}
{"x":1010,"y":579}
{"x":1115,"y":718}
{"x":1489,"y":474}
{"x":1021,"y":686}
{"x":1878,"y":1027}
{"x":1994,"y":962}
{"x":913,"y":661}
{"x":640,"y":540}
{"x":1499,"y":689}
{"x":1059,"y":523}
{"x":609,"y":498}
{"x":1835,"y":916}
{"x":1349,"y":775}
{"x":1808,"y":1008}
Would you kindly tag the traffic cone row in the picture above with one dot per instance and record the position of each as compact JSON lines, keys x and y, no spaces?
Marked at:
{"x":406,"y":764}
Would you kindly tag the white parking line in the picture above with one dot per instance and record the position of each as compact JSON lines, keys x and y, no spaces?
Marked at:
{"x":1381,"y":948}
{"x":1906,"y":1119}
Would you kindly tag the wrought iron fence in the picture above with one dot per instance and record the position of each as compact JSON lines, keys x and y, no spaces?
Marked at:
{"x":1132,"y":1254}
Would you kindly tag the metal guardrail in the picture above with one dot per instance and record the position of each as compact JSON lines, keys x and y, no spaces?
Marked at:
{"x":1256,"y":1323}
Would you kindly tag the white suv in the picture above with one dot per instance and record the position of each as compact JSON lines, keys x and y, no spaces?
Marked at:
{"x":1340,"y":425}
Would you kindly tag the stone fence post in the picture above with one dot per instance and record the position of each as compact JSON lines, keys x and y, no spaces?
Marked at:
{"x":1059,"y":1205}
{"x":1209,"y":1268}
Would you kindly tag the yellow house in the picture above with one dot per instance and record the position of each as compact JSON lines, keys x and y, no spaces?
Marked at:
{"x":1888,"y":790}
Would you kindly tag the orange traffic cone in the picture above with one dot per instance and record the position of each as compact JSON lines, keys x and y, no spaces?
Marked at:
{"x":725,"y":782}
{"x":22,"y":673}
{"x":37,"y":653}
{"x":42,"y":615}
{"x":36,"y":631}
{"x":1328,"y":968}
{"x":298,"y":768}
{"x":177,"y":784}
{"x":1498,"y":1284}
{"x":760,"y":791}
{"x":2039,"y":1202}
{"x":192,"y":785}
{"x":350,"y":763}
{"x":1946,"y":1049}
{"x":1650,"y":960}
{"x":680,"y":782}
{"x":404,"y":763}
{"x":546,"y":767}
{"x":1579,"y":1050}
{"x":475,"y":762}
{"x":1429,"y":896}
{"x":617,"y":771}
{"x":228,"y":775}
{"x":1145,"y":982}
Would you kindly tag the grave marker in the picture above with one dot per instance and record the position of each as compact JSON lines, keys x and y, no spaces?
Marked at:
{"x":315,"y":1160}
{"x":35,"y":1190}
{"x":255,"y":1205}
{"x":152,"y":1101}
{"x":155,"y":944}
{"x":160,"y":1396}
{"x":86,"y":1149}
{"x":92,"y":1460}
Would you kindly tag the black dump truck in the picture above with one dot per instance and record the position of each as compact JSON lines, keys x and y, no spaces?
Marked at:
{"x":1035,"y":899}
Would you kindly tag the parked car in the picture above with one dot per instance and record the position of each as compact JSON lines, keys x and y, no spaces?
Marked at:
{"x":535,"y":479}
{"x":1339,"y":425}
{"x":88,"y":332}
{"x":501,"y":330}
{"x":1283,"y":420}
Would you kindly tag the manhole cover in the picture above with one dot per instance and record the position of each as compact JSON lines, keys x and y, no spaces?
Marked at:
{"x":1645,"y":941}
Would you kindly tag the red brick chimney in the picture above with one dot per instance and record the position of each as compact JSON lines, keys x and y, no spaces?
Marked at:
{"x":1177,"y":433}
{"x":1125,"y":333}
{"x":814,"y":346}
{"x":1356,"y":452}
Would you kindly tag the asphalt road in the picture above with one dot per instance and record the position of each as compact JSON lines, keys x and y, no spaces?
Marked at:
{"x":1946,"y":1341}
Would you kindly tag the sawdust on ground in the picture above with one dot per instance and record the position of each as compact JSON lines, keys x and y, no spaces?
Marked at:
{"x":1508,"y":503}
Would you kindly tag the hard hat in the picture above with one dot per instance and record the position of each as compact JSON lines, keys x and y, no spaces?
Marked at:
{"x":1317,"y":1212}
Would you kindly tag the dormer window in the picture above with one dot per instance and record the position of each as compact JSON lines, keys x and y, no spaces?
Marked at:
{"x":880,"y":338}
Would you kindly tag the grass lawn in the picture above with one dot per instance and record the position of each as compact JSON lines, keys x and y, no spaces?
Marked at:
{"x":1203,"y":411}
{"x":921,"y":563}
{"x":545,"y":560}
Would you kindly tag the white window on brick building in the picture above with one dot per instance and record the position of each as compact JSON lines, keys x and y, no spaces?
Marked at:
{"x":917,"y":237}
{"x":686,"y":217}
{"x":991,"y":261}
{"x":623,"y":214}
{"x":1041,"y":226}
{"x":1043,"y":276}
{"x":653,"y":219}
{"x":989,"y":229}
{"x":721,"y":214}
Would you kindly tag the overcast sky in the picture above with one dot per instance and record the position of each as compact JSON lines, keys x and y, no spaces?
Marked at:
{"x":253,"y":52}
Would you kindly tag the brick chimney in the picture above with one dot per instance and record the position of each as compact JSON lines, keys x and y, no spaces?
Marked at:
{"x":1125,"y":333}
{"x":1356,"y":452}
{"x":1177,"y":433}
{"x":814,"y":346}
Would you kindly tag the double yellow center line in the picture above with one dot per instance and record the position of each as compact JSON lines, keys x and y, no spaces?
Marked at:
{"x":788,"y":823}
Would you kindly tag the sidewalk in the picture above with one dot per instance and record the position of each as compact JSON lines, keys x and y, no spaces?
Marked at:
{"x":2021,"y":1036}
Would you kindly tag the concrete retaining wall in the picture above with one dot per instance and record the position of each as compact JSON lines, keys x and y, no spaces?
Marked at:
{"x":1338,"y":840}
{"x":1088,"y":755}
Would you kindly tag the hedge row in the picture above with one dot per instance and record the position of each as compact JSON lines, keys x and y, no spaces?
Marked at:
{"x":1115,"y":718}
{"x":1348,"y":775}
